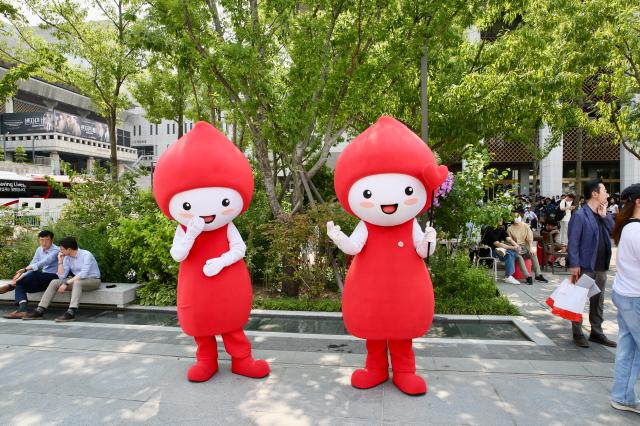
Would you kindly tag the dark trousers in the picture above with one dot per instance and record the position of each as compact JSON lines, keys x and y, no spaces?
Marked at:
{"x":596,"y":306}
{"x":33,"y":282}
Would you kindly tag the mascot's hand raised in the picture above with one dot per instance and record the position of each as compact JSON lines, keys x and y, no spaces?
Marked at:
{"x":195,"y":227}
{"x":213,"y":267}
{"x":334,"y":232}
{"x":428,"y":243}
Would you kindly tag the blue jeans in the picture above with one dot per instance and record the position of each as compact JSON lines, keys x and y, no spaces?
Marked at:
{"x":628,"y":353}
{"x":509,"y":260}
{"x":32,"y":282}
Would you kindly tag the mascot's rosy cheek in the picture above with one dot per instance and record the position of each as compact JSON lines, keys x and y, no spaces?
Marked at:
{"x":386,"y":177}
{"x":203,"y":182}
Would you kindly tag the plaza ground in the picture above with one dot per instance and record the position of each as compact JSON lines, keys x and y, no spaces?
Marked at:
{"x":87,"y":373}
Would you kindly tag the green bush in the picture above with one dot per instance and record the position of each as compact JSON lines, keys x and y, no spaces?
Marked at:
{"x":16,"y":254}
{"x":297,"y":304}
{"x":462,"y":288}
{"x":146,"y":237}
{"x":298,"y":251}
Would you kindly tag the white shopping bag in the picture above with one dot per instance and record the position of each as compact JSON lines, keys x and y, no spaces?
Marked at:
{"x":568,"y":301}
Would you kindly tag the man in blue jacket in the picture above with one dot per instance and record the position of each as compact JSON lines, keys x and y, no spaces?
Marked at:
{"x":589,"y":252}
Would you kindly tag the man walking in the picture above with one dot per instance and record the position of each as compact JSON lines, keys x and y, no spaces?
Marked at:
{"x":34,"y":277}
{"x":589,"y":252}
{"x":86,"y":277}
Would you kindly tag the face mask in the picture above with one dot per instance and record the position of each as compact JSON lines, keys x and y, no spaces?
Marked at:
{"x":518,"y":219}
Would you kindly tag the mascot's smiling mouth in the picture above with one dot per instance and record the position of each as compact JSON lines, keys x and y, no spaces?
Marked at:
{"x":389,"y":208}
{"x":209,"y":219}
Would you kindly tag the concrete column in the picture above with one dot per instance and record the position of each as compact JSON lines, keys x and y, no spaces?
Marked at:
{"x":524,"y":181}
{"x":90,"y":165}
{"x":551,"y":166}
{"x":55,"y":162}
{"x":8,"y":104}
{"x":629,"y":168}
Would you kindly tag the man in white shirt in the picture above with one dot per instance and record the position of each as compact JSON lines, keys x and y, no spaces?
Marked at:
{"x":567,"y":207}
{"x":86,"y":277}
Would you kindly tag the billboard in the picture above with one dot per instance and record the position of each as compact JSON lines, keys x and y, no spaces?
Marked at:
{"x":27,"y":122}
{"x":54,"y":121}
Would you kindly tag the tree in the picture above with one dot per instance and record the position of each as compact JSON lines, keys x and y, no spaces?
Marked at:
{"x":103,"y":55}
{"x":20,"y":155}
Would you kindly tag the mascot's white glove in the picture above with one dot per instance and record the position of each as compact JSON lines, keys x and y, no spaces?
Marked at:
{"x":334,"y":232}
{"x":427,"y":245}
{"x":195,"y":227}
{"x":213,"y":266}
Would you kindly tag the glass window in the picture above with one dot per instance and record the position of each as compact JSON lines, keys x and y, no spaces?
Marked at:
{"x":168,"y":128}
{"x":134,"y":130}
{"x":173,"y":127}
{"x":150,"y":129}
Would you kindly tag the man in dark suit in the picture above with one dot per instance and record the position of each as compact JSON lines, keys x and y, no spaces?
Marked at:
{"x":589,"y":252}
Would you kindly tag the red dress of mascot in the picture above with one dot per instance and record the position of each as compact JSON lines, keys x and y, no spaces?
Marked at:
{"x":204,"y":182}
{"x":385,"y":177}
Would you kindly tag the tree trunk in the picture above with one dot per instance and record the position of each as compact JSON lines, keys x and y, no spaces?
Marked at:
{"x":579,"y":142}
{"x":111,"y":123}
{"x":180,"y":125}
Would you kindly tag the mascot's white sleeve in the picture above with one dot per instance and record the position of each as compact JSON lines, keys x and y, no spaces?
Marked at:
{"x":181,"y":245}
{"x":237,"y":247}
{"x":353,"y":244}
{"x":424,"y":246}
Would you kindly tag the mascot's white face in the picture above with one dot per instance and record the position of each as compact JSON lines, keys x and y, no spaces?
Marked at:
{"x":387,"y":199}
{"x":217,"y":206}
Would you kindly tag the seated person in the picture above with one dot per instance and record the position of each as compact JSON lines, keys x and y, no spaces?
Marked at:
{"x":550,"y":233}
{"x":520,"y":234}
{"x":495,"y":238}
{"x":86,"y":276}
{"x":34,"y":277}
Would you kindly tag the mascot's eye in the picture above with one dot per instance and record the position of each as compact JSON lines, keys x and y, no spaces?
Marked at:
{"x":366,"y":193}
{"x":226,"y":202}
{"x":186,"y":206}
{"x":408,"y":190}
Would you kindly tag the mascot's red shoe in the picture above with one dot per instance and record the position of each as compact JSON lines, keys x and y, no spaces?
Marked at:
{"x":410,"y":383}
{"x":368,"y":378}
{"x":202,"y":371}
{"x":250,"y":367}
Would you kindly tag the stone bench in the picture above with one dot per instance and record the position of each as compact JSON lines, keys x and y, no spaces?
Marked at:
{"x":120,"y":295}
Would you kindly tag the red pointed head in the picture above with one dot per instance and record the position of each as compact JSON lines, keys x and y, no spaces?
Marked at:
{"x":203,"y":174}
{"x":385,"y":176}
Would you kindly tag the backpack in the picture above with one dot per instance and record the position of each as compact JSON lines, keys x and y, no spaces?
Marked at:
{"x":560,"y":213}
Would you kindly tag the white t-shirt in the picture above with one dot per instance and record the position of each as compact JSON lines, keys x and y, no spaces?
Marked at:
{"x":627,"y":280}
{"x":567,"y":213}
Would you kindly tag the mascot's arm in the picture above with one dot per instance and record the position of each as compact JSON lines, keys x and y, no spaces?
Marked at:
{"x":237,"y":250}
{"x":424,"y":242}
{"x":351,"y":245}
{"x":181,"y":245}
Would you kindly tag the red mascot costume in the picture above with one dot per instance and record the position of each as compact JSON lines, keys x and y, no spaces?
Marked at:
{"x":204,"y":182}
{"x":385,"y":177}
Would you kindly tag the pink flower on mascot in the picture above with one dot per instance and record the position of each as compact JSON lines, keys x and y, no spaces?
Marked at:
{"x":385,"y":177}
{"x":204,"y":182}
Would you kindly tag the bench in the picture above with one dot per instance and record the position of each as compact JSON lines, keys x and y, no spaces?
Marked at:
{"x":122,"y":294}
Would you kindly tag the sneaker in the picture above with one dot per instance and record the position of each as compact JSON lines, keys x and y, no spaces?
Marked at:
{"x":529,"y":280}
{"x":542,"y":279}
{"x":633,"y":408}
{"x":511,"y":280}
{"x":66,"y":317}
{"x":34,"y":315}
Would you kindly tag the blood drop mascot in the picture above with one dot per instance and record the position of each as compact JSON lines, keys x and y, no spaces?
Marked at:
{"x":385,"y":177}
{"x":204,"y":182}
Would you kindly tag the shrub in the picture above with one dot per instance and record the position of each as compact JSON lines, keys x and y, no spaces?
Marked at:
{"x":16,"y":253}
{"x":299,"y":253}
{"x":462,"y":288}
